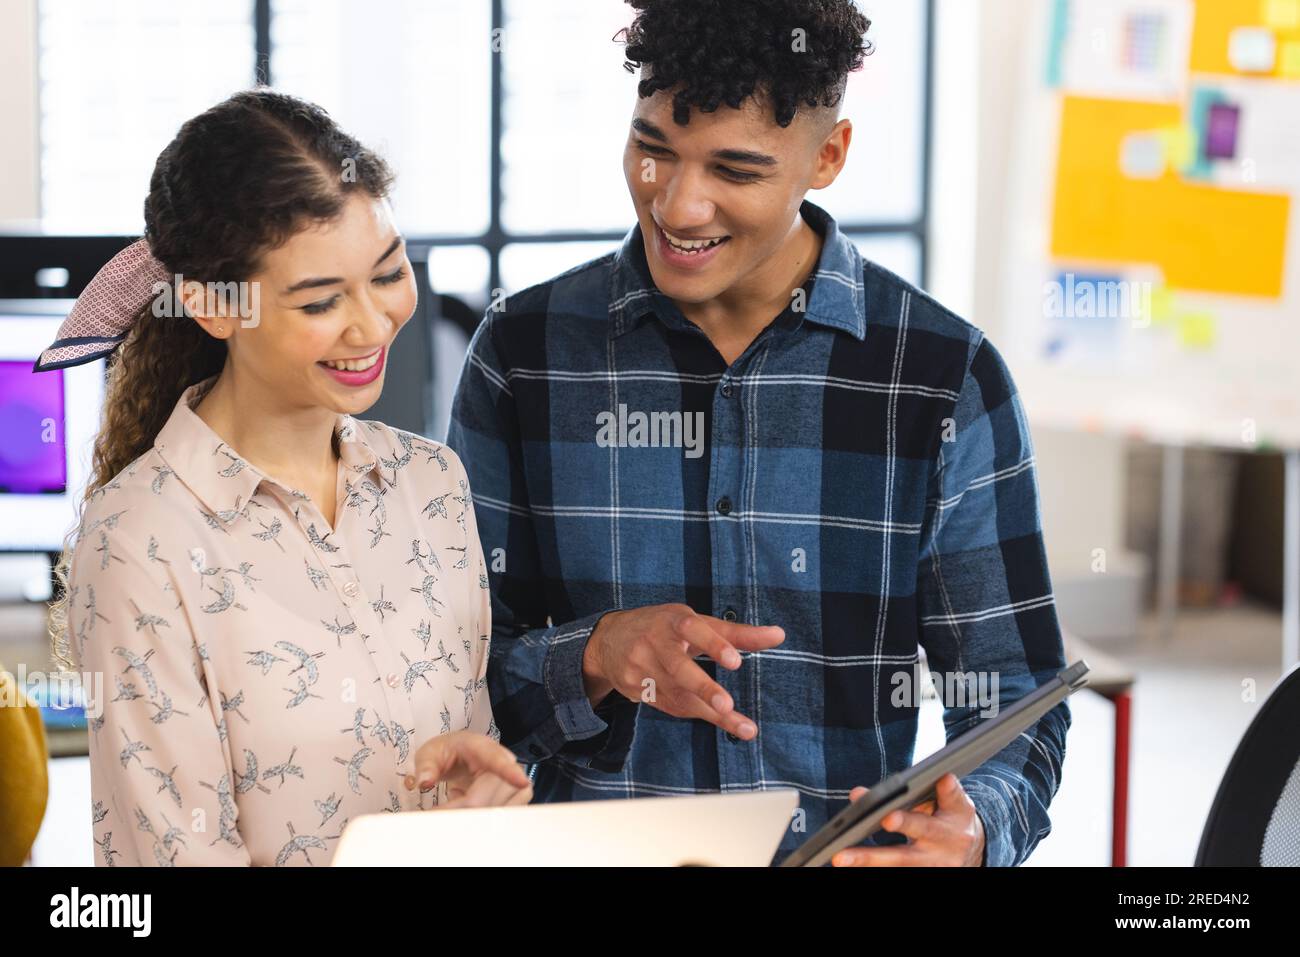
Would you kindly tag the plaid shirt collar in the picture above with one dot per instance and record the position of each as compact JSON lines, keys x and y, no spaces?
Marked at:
{"x":223,"y":481}
{"x":838,"y":300}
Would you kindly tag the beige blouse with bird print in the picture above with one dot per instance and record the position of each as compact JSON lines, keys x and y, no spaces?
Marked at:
{"x":268,"y":674}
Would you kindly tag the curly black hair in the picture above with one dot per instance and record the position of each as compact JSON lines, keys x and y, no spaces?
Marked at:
{"x":722,"y":51}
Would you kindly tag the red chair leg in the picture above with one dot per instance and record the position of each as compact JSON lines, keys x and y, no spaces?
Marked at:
{"x":1119,"y":806}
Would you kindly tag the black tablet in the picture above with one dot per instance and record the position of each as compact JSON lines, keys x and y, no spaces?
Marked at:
{"x":908,"y":788}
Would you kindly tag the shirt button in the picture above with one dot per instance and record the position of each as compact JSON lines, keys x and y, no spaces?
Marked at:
{"x":726,"y":390}
{"x":351,"y":589}
{"x":732,"y":738}
{"x":729,"y":615}
{"x":410,"y":781}
{"x":724,"y":506}
{"x":393,"y":680}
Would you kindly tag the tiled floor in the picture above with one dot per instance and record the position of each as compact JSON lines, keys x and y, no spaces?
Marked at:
{"x":1188,"y":714}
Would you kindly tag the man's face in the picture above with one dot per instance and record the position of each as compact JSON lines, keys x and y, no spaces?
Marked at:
{"x":716,"y":198}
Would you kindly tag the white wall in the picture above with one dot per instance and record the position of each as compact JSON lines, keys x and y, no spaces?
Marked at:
{"x":954,"y":182}
{"x":19,"y":184}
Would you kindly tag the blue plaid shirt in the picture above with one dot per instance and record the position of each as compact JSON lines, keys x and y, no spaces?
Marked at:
{"x":865,"y":480}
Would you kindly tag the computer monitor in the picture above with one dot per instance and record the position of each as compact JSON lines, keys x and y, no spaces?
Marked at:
{"x":48,"y":422}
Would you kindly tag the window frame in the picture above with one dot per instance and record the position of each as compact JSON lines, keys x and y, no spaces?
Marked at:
{"x":496,"y":237}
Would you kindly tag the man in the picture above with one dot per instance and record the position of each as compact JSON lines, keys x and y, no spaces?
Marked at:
{"x":732,"y":478}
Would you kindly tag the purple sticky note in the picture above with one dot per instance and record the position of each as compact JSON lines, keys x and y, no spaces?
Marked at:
{"x":1221,"y":131}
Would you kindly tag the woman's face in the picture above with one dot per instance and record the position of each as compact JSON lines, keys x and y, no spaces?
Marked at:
{"x":330,"y":302}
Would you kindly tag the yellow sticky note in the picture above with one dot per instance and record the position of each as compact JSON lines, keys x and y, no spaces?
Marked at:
{"x":1179,"y":148}
{"x":1196,"y":330}
{"x":1162,"y":305}
{"x":1201,"y":237}
{"x":1281,"y":14}
{"x":1288,"y":59}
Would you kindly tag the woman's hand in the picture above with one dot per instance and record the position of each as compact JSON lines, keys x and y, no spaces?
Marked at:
{"x":478,"y":771}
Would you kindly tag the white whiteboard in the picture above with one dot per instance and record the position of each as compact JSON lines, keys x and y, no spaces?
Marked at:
{"x":1229,"y":378}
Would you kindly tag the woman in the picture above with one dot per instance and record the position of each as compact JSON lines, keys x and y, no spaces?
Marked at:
{"x":289,"y":604}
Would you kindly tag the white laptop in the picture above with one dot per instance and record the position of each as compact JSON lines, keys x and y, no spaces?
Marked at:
{"x":732,"y":830}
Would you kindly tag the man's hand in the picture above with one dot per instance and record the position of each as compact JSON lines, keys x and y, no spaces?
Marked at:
{"x":479,"y":772}
{"x":646,"y":654}
{"x":951,"y":835}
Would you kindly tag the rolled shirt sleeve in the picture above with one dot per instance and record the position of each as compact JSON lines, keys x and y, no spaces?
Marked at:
{"x":535,"y":673}
{"x":985,"y":602}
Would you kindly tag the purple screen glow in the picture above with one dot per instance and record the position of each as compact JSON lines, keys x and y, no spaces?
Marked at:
{"x":33,"y":455}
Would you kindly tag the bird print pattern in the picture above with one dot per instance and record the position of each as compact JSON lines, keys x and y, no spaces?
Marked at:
{"x":273,"y":672}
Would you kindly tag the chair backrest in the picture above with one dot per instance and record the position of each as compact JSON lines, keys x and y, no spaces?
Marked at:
{"x":1255,"y":818}
{"x":407,"y":401}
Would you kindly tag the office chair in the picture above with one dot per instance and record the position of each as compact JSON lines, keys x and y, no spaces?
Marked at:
{"x":415,"y":397}
{"x":1255,"y":818}
{"x":407,"y":401}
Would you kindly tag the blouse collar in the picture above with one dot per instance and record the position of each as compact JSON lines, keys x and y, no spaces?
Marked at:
{"x":222,"y":480}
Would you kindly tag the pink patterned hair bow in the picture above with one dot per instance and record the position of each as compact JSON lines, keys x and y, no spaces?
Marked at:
{"x":105,"y":309}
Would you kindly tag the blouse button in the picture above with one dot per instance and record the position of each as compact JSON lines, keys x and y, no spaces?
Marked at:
{"x":350,"y":589}
{"x":410,"y":781}
{"x":393,"y":680}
